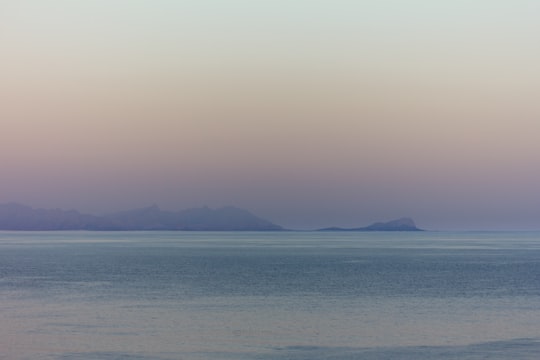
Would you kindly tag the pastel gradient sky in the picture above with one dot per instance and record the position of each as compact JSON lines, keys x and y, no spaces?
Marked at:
{"x":310,"y":113}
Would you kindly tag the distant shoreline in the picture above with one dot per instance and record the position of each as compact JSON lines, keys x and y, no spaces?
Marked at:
{"x":17,"y":217}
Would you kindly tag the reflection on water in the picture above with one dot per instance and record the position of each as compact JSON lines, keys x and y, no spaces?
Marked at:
{"x":287,"y":295}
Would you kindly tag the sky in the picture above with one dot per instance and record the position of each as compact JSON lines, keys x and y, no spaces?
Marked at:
{"x":310,"y":113}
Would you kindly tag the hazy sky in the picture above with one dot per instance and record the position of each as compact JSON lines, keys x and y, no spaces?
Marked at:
{"x":310,"y":113}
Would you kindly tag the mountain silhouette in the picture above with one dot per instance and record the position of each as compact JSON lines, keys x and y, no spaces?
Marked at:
{"x":20,"y":217}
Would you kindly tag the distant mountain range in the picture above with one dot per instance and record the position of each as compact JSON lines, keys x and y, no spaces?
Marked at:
{"x":20,"y":217}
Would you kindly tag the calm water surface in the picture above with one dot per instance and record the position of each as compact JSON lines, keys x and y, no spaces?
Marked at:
{"x":283,"y":295}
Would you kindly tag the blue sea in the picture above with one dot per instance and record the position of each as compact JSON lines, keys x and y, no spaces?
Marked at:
{"x":269,"y":295}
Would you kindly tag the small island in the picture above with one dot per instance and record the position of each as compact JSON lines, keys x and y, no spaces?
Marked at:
{"x":402,"y":224}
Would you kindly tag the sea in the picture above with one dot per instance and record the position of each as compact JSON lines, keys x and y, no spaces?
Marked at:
{"x":269,"y":295}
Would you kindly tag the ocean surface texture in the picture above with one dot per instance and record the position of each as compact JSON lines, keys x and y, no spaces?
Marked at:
{"x":266,"y":296}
